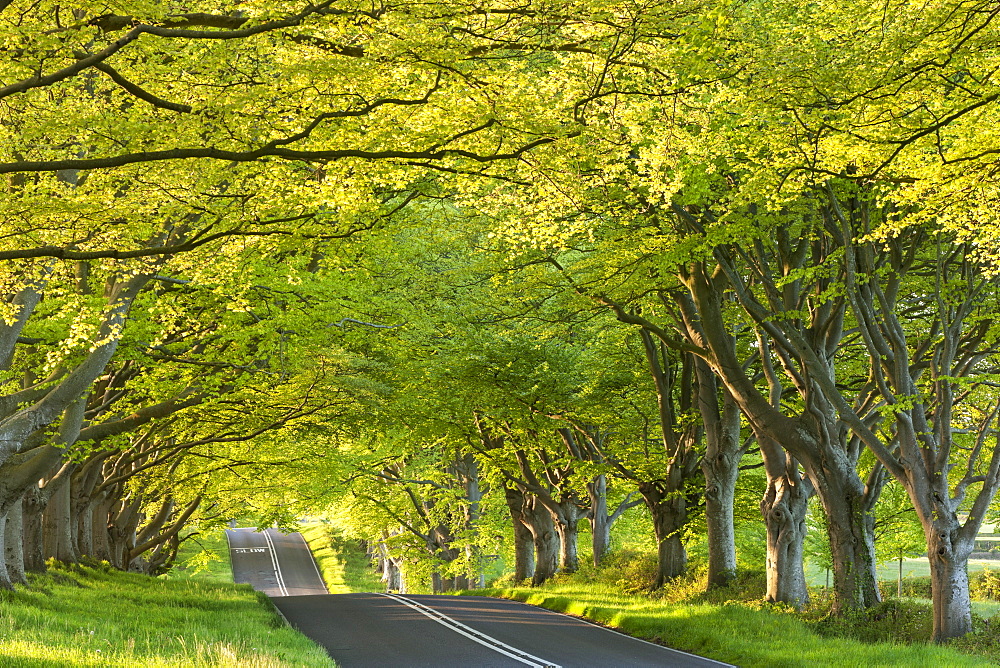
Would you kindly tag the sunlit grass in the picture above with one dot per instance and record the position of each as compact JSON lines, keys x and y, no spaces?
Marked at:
{"x":342,"y":563}
{"x":96,"y":616}
{"x":204,"y":558}
{"x":741,"y":633}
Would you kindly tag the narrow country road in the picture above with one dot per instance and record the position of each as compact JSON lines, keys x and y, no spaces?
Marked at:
{"x":389,"y":630}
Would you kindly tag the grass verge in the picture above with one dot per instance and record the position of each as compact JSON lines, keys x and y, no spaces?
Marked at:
{"x":342,"y":563}
{"x":739,"y":634}
{"x":96,"y":616}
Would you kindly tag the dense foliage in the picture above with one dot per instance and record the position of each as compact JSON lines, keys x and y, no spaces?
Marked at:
{"x":476,"y":274}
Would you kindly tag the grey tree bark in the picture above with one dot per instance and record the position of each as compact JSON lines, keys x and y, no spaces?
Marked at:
{"x":524,"y":549}
{"x":721,"y":466}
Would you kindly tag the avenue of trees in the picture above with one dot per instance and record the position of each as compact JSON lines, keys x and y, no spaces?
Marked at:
{"x":479,"y":275}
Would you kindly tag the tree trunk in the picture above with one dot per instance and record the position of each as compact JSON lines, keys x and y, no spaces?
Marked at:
{"x":524,"y":552}
{"x":524,"y":549}
{"x":568,"y":530}
{"x":101,"y":512}
{"x":720,"y":472}
{"x":123,"y":521}
{"x":392,"y":576}
{"x":851,"y":529}
{"x":600,"y":522}
{"x":14,"y":544}
{"x":85,"y":529}
{"x":949,"y":590}
{"x":784,"y":507}
{"x":721,"y":467}
{"x":392,"y":573}
{"x":669,"y":512}
{"x":33,"y":541}
{"x":544,"y":538}
{"x":5,"y":579}
{"x":58,"y":524}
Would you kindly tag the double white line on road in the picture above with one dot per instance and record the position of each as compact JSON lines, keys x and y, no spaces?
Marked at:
{"x":473,"y":634}
{"x":274,"y":562}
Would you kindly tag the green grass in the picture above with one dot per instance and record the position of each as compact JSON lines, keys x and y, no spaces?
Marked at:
{"x":342,"y":563}
{"x":744,"y":634}
{"x":204,"y":558}
{"x":96,"y":616}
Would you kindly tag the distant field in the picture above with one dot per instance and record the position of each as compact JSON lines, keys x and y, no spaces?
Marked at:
{"x":919,"y":567}
{"x":890,"y":571}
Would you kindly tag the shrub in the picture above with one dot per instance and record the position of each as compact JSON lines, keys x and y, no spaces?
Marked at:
{"x":985,"y":585}
{"x":894,"y":620}
{"x":632,"y":571}
{"x":913,"y":587}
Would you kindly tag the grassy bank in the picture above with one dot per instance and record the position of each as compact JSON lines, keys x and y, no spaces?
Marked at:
{"x":744,"y":635}
{"x":342,"y":563}
{"x":96,"y":616}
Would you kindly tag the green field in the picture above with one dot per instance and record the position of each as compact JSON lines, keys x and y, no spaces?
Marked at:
{"x":889,"y":572}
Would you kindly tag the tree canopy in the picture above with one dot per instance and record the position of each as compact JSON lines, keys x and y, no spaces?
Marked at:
{"x":483,"y":273}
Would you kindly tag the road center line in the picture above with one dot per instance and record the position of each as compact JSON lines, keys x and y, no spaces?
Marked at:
{"x":473,"y":634}
{"x":274,"y":562}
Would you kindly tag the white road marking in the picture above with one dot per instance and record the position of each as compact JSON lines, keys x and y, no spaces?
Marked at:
{"x":313,"y":560}
{"x":274,"y":562}
{"x":473,"y":634}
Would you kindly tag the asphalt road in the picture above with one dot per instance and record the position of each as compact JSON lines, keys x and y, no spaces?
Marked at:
{"x":389,"y":630}
{"x":275,"y":563}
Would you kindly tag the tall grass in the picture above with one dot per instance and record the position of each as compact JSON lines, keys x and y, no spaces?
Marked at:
{"x":96,"y":616}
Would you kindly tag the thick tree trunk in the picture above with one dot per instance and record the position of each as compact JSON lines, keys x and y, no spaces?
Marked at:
{"x":5,"y":580}
{"x":392,"y":576}
{"x":949,"y":545}
{"x":524,"y":549}
{"x":544,"y":537}
{"x":720,"y":472}
{"x":123,"y":522}
{"x":950,"y":593}
{"x":524,"y":552}
{"x":33,"y":541}
{"x":600,"y":522}
{"x":721,"y":467}
{"x":568,"y":530}
{"x":58,"y":523}
{"x":851,"y":530}
{"x":784,"y":507}
{"x":392,"y":571}
{"x":101,"y":514}
{"x":13,"y":548}
{"x":669,"y":512}
{"x":85,"y":530}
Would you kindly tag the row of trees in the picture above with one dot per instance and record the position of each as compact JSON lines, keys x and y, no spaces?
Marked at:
{"x":667,"y":385}
{"x":502,"y":256}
